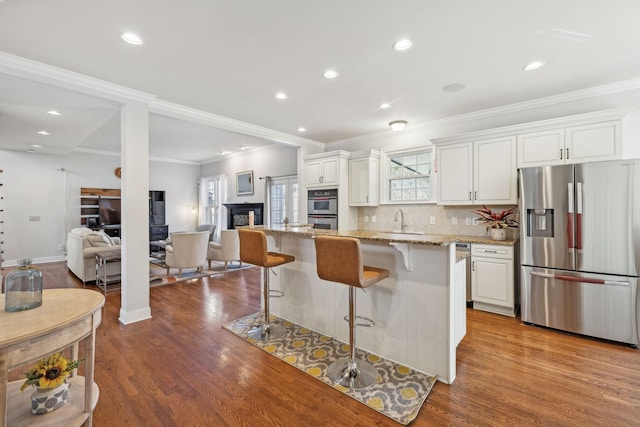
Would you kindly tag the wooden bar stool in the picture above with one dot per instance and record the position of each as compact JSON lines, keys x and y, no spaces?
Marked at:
{"x":253,"y":250}
{"x":339,"y":259}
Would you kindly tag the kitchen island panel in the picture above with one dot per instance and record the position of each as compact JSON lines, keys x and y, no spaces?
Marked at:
{"x":413,"y":310}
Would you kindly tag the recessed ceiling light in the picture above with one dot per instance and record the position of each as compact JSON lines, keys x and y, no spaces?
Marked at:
{"x":36,"y":146}
{"x":31,"y":150}
{"x":223,"y":152}
{"x":403,"y":45}
{"x":301,"y":129}
{"x":531,"y":66}
{"x":453,"y":87}
{"x":54,"y":113}
{"x":131,"y":38}
{"x":330,"y":74}
{"x":43,"y":132}
{"x":244,"y":147}
{"x":385,"y":105}
{"x":281,"y":95}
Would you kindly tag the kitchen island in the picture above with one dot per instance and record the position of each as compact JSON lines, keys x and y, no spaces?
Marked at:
{"x":414,"y":310}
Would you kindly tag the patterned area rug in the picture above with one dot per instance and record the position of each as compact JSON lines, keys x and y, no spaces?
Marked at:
{"x":399,"y":392}
{"x":158,"y":272}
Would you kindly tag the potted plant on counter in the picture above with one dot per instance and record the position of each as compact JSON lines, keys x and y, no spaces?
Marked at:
{"x":497,"y":222}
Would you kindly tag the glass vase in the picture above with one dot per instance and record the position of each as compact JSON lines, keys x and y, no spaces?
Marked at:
{"x":23,"y":287}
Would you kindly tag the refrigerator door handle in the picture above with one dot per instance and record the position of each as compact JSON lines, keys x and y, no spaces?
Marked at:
{"x":579,"y":279}
{"x":570,"y":243}
{"x":578,"y":215}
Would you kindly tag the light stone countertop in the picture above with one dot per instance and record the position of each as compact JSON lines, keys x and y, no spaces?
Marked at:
{"x":418,"y":239}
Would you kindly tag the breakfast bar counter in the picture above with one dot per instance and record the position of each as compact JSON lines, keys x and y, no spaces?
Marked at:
{"x":416,"y":310}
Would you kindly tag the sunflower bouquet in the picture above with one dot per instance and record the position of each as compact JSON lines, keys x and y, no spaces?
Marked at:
{"x":50,"y":372}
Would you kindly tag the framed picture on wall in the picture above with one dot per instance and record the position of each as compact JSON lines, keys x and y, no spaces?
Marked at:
{"x":244,"y":183}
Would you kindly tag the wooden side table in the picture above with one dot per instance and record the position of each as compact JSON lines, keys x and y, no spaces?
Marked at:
{"x":66,"y":317}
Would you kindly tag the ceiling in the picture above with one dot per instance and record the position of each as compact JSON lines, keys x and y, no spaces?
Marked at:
{"x":229,"y":59}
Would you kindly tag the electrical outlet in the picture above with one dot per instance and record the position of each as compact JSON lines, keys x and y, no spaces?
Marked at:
{"x":432,"y":220}
{"x":469,"y":221}
{"x":373,"y":218}
{"x":454,"y":220}
{"x":366,"y":218}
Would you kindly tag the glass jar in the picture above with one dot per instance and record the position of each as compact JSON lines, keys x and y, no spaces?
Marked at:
{"x":23,"y":287}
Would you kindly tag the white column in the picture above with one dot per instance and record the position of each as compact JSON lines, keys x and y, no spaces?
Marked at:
{"x":135,"y":213}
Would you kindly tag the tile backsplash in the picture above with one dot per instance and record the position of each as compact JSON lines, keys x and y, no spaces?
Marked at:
{"x":448,"y":219}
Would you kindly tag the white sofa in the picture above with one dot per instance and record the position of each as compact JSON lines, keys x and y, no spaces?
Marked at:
{"x":227,"y":250}
{"x":82,"y":246}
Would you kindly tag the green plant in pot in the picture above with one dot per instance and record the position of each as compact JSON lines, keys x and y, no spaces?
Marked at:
{"x":498,"y":222}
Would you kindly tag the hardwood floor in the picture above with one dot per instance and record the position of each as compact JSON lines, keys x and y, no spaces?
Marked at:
{"x":182,"y":369}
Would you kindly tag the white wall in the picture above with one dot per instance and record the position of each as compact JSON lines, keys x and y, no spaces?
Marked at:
{"x":273,"y":160}
{"x":33,"y":186}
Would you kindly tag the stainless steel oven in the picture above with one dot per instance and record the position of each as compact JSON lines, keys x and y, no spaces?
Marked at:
{"x":322,"y":207}
{"x":326,"y":222}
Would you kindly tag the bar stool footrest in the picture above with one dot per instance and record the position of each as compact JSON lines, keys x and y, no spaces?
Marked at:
{"x":370,"y":323}
{"x":274,"y":293}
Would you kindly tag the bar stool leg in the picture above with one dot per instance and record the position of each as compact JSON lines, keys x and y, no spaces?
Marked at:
{"x":266,"y":331}
{"x":349,"y":372}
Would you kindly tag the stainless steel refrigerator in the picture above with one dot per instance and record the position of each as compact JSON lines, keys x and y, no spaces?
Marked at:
{"x":580,"y":248}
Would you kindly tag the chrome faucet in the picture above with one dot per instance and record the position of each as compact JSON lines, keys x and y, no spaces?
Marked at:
{"x":403,"y":225}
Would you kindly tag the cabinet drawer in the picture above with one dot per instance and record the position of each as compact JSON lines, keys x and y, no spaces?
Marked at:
{"x":492,"y":251}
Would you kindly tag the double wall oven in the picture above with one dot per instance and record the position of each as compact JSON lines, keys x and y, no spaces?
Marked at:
{"x":322,"y":209}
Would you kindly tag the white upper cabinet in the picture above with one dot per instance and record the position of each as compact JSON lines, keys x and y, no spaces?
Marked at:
{"x":575,"y":144}
{"x":455,"y":174}
{"x":541,"y":148}
{"x":478,"y":172}
{"x":324,"y":169}
{"x":364,"y":178}
{"x":593,"y":142}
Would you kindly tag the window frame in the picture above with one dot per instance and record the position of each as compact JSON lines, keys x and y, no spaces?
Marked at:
{"x":385,"y":176}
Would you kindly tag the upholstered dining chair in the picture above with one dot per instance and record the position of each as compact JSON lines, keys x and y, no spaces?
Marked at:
{"x":187,"y":250}
{"x":211,"y":228}
{"x":228,"y":250}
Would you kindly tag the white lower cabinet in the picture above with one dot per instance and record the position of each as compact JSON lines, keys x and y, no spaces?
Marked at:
{"x":492,"y":279}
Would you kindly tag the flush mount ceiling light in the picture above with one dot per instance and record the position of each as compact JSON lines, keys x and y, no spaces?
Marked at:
{"x":54,"y":113}
{"x":43,"y":132}
{"x":281,"y":95}
{"x":398,"y":125}
{"x":330,"y":74}
{"x":403,"y":45}
{"x":131,"y":38}
{"x":384,"y":106}
{"x":531,"y":66}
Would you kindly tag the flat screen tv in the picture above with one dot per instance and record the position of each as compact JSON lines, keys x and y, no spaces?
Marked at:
{"x":109,"y":211}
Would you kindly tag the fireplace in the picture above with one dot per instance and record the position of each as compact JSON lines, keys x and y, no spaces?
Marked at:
{"x":238,"y":214}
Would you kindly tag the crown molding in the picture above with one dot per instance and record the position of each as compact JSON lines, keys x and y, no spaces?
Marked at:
{"x":117,"y":154}
{"x":577,"y":95}
{"x":541,"y":125}
{"x":48,"y":74}
{"x":193,"y":115}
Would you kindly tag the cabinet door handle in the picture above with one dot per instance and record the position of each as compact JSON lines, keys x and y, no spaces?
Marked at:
{"x":473,"y":266}
{"x":470,"y":195}
{"x":567,"y":156}
{"x":367,"y":198}
{"x":475,"y":195}
{"x":561,"y":154}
